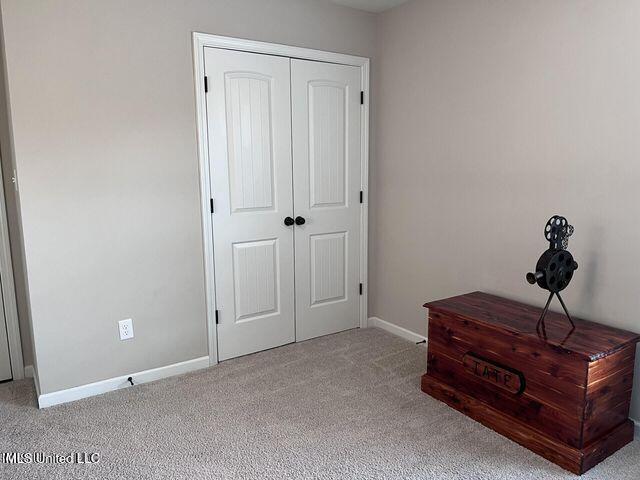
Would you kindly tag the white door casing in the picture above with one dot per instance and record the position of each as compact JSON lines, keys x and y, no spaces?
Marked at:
{"x":202,"y":43}
{"x":326,"y":132}
{"x":248,"y":107}
{"x":5,"y":359}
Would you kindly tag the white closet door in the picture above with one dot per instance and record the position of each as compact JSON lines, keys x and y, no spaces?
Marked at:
{"x":249,"y":125}
{"x":326,"y":169}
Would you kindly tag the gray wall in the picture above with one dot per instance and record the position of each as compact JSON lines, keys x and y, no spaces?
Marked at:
{"x":491,"y":117}
{"x":102,"y":103}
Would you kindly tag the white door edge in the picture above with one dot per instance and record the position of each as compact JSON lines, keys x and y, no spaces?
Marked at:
{"x":200,"y":41}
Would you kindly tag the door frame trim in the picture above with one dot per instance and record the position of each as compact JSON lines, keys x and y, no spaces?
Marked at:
{"x":199,"y":42}
{"x":9,"y":292}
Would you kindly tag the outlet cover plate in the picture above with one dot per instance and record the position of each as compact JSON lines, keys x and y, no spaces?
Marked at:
{"x":126,"y":329}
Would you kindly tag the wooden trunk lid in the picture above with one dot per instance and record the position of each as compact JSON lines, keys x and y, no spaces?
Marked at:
{"x":589,"y":341}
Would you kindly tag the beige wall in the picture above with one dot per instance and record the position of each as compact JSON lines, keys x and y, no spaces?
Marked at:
{"x":101,"y":94}
{"x":491,"y":117}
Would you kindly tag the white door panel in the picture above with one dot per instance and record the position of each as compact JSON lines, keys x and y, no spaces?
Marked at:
{"x":249,"y":125}
{"x":326,"y":168}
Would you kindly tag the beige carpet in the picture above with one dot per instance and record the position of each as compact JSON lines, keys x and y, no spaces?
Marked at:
{"x":343,"y":406}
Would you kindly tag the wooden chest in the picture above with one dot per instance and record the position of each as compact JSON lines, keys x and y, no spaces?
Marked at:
{"x":565,"y":397}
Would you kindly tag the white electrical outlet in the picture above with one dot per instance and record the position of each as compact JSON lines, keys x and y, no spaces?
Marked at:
{"x":126,"y":329}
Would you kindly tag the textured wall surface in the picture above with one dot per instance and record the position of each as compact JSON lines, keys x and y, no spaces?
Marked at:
{"x":103,"y":112}
{"x":491,"y":117}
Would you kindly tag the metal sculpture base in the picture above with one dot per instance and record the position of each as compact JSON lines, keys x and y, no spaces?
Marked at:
{"x":540,"y":327}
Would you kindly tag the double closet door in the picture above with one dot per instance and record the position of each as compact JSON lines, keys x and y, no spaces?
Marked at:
{"x":285,"y":162}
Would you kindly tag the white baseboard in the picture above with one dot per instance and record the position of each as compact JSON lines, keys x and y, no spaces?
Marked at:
{"x":637,"y":428}
{"x":28,"y":371}
{"x":395,"y":329}
{"x":116,"y":383}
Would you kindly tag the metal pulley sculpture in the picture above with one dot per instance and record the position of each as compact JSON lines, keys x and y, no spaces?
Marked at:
{"x":555,"y":267}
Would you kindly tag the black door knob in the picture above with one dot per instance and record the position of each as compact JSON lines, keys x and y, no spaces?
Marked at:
{"x":288,"y":221}
{"x":300,"y":220}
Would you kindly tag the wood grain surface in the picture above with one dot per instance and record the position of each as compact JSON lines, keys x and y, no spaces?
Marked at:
{"x":566,"y":396}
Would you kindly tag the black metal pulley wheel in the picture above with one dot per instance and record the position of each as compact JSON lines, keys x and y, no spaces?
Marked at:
{"x":554,"y":270}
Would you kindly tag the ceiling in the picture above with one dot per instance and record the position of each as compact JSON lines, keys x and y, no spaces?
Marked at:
{"x":370,"y":5}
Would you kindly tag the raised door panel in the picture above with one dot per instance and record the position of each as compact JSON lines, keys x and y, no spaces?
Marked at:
{"x":249,"y":115}
{"x":327,"y":132}
{"x":255,"y":271}
{"x":249,"y":128}
{"x":328,"y":267}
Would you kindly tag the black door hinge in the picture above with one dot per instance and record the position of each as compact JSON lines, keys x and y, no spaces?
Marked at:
{"x":217,"y":318}
{"x":206,"y":85}
{"x":360,"y":289}
{"x":361,"y":196}
{"x":211,"y":204}
{"x":361,"y":97}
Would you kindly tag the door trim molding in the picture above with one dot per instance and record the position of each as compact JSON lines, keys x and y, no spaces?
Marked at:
{"x":9,"y":292}
{"x":199,"y":42}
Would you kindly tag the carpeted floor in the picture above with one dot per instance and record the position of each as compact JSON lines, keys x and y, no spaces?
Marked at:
{"x":338,"y":407}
